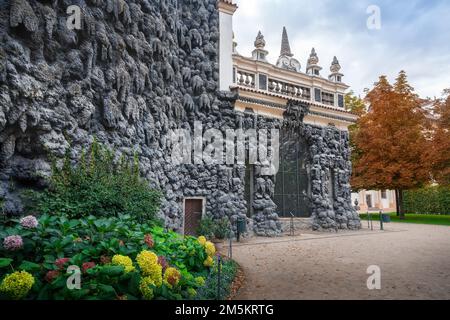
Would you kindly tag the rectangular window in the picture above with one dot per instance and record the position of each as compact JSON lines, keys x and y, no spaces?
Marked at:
{"x":262,"y":82}
{"x":384,"y":194}
{"x":317,"y":95}
{"x":328,"y":98}
{"x":340,"y":101}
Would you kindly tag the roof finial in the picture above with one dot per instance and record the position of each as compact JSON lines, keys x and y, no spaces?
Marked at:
{"x":260,"y":43}
{"x":260,"y":53}
{"x":285,"y":47}
{"x":335,"y":69}
{"x":313,"y":67}
{"x":335,"y":66}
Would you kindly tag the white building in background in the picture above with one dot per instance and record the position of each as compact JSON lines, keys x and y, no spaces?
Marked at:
{"x":371,"y":200}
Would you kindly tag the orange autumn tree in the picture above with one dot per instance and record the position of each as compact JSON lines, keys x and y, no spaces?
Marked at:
{"x":390,"y":140}
{"x":439,"y":155}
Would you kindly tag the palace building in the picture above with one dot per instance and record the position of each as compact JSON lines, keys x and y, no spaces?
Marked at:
{"x":313,"y":180}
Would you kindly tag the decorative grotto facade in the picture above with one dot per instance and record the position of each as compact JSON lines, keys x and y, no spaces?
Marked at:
{"x":138,"y":69}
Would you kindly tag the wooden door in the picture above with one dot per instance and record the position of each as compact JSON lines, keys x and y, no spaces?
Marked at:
{"x":193,"y":209}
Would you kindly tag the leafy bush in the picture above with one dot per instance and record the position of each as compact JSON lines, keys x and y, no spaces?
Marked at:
{"x":218,"y":229}
{"x":228,"y":273}
{"x":430,"y":200}
{"x":206,"y":227}
{"x":97,"y":185}
{"x":119,"y":258}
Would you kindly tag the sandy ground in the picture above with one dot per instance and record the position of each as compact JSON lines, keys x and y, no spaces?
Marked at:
{"x":414,"y":262}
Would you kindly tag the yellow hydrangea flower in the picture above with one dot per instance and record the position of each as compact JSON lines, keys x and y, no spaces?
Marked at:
{"x":201,"y":240}
{"x":171,"y":277}
{"x":123,"y":261}
{"x":144,"y":287}
{"x":148,"y":262}
{"x":209,"y":262}
{"x":200,"y":281}
{"x":210,"y":248}
{"x":17,"y":285}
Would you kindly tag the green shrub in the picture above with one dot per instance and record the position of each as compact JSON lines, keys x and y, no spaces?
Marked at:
{"x":207,"y":227}
{"x":228,"y":273}
{"x":222,"y":228}
{"x":430,"y":200}
{"x":211,"y":228}
{"x":95,"y":241}
{"x":97,"y":185}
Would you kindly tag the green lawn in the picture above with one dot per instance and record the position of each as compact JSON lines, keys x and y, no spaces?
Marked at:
{"x":443,"y":220}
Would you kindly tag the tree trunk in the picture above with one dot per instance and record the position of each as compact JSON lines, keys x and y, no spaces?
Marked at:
{"x":400,"y":204}
{"x":397,"y":201}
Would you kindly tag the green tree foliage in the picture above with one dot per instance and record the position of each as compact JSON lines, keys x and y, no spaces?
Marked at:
{"x":430,"y":200}
{"x":357,"y":106}
{"x":98,"y":186}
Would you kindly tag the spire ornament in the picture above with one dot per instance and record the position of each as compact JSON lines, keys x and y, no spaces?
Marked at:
{"x":286,"y":60}
{"x":285,"y":46}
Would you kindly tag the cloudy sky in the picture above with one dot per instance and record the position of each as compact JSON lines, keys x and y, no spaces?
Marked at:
{"x":414,"y":36}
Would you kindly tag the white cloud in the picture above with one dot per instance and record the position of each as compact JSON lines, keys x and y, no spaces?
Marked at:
{"x":413,"y":37}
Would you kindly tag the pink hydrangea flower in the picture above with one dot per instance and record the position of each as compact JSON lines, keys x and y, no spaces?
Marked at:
{"x":29,"y":222}
{"x":163,"y":262}
{"x":13,"y":243}
{"x":87,"y":265}
{"x":61,"y":262}
{"x":149,"y":240}
{"x":51,"y":275}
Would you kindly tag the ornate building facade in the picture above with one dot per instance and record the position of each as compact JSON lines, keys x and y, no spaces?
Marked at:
{"x":313,"y":179}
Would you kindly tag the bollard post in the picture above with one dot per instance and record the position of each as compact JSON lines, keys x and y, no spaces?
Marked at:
{"x":292,"y":229}
{"x":381,"y":220}
{"x":368,"y":220}
{"x":219,"y":266}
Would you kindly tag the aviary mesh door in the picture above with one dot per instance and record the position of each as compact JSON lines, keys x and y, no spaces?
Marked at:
{"x":292,"y":181}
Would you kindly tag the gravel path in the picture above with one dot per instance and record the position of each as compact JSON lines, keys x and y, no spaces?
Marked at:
{"x":414,"y":261}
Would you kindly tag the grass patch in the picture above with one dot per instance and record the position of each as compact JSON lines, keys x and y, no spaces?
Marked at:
{"x":228,"y":273}
{"x":442,"y":220}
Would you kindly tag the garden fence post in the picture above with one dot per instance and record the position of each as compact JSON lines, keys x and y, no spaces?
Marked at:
{"x":230,"y":247}
{"x":219,"y":265}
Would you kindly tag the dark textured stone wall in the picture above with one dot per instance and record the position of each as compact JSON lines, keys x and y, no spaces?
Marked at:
{"x":136,"y":70}
{"x":330,"y":170}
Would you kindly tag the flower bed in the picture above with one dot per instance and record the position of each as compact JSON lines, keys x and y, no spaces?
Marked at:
{"x":115,"y":258}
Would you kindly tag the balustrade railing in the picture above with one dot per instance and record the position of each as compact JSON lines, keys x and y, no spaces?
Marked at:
{"x":250,"y":80}
{"x":245,"y":79}
{"x":289,"y":89}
